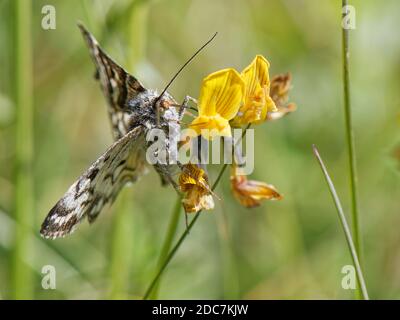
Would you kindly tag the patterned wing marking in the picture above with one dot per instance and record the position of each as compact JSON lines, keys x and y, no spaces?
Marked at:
{"x":117,"y":85}
{"x":123,"y":162}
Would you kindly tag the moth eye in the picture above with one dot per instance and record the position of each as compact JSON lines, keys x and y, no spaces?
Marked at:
{"x":165,"y":104}
{"x":162,"y":104}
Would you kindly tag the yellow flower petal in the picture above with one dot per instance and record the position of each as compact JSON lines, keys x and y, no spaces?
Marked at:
{"x":220,"y":99}
{"x":250,"y":193}
{"x":222,"y":93}
{"x":257,"y":101}
{"x":211,"y":126}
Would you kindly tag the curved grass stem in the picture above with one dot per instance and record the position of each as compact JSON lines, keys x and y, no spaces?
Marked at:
{"x":346,"y":228}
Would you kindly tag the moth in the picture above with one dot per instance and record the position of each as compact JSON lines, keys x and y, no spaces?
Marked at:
{"x":133,"y":110}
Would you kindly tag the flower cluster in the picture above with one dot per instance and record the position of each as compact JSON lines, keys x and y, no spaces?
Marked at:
{"x":231,"y":99}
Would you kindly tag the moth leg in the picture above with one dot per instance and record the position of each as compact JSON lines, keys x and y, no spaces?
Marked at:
{"x":173,"y":183}
{"x":166,"y":177}
{"x":164,"y":181}
{"x":192,"y":99}
{"x":180,"y":165}
{"x":185,"y":105}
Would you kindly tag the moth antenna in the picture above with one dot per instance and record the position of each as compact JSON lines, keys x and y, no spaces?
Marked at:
{"x":179,"y":71}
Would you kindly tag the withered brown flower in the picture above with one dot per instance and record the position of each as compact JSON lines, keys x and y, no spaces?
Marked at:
{"x":193,"y":182}
{"x":279,"y":92}
{"x":250,"y":193}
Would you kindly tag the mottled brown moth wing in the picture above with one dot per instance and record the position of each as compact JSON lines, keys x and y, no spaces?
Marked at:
{"x":123,"y":162}
{"x":118,"y":86}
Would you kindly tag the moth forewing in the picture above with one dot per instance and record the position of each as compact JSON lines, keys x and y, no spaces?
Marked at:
{"x":118,"y":86}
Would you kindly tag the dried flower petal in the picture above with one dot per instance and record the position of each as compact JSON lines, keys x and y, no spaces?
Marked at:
{"x":281,"y":112}
{"x":250,"y":193}
{"x":280,"y":86}
{"x":193,"y":181}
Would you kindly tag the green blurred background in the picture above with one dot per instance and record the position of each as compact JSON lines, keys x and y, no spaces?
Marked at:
{"x":292,"y":248}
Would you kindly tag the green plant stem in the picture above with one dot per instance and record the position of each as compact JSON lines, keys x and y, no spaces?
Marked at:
{"x":346,"y":229}
{"x":138,"y":29}
{"x":169,"y":237}
{"x":350,"y":137}
{"x":23,"y":202}
{"x":178,"y":244}
{"x":185,"y":233}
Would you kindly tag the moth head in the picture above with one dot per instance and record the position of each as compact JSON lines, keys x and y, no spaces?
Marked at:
{"x":164,"y":102}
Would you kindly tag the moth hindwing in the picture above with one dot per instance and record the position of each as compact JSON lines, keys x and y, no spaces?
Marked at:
{"x":98,"y":186}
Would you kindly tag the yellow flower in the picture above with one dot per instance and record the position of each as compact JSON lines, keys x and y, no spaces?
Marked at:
{"x":220,"y":98}
{"x":250,"y":192}
{"x":280,"y":86}
{"x":193,"y":181}
{"x":257,"y":100}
